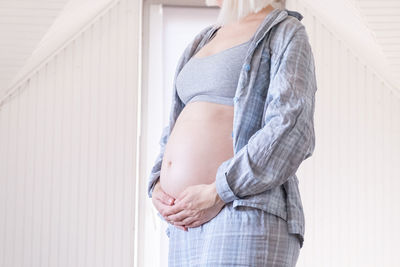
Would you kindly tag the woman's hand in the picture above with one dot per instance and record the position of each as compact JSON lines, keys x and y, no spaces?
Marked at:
{"x":195,"y":205}
{"x":162,"y":200}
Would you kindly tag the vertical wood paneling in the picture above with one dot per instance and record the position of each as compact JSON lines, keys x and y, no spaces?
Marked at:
{"x":23,"y":23}
{"x":349,"y":188}
{"x":68,"y":152}
{"x":382,"y":17}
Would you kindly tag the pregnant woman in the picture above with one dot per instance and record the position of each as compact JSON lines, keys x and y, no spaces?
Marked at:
{"x":241,"y":123}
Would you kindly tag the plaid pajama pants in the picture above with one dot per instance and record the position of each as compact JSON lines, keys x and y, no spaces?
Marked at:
{"x":237,"y":236}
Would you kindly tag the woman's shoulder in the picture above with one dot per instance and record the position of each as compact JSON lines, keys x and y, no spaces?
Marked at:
{"x":203,"y":32}
{"x":198,"y":37}
{"x":284,"y":32}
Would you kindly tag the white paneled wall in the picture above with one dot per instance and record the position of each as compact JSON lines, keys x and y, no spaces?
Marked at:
{"x":383,"y":18}
{"x":68,"y":152}
{"x":22,"y":25}
{"x":350,"y":186}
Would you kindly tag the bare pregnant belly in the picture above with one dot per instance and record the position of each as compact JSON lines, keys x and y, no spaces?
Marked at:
{"x":199,"y":142}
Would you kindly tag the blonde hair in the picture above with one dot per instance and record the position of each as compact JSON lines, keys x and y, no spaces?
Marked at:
{"x":233,"y":10}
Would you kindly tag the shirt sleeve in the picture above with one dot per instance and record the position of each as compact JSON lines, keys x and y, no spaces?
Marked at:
{"x":274,"y":152}
{"x":156,"y":169}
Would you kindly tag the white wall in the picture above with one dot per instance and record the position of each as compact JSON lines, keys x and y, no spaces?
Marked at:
{"x":23,"y":24}
{"x":68,"y":152}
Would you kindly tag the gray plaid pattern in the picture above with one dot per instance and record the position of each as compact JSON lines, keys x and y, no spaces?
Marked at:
{"x":237,"y":236}
{"x":273,"y":127}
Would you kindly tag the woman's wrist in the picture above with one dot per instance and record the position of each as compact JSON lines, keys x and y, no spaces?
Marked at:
{"x":218,"y":200}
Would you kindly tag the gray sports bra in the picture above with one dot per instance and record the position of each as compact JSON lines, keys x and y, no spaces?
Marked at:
{"x":213,"y":78}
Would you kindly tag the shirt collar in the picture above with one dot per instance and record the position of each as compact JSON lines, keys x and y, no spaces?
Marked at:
{"x":272,"y":18}
{"x":294,"y":14}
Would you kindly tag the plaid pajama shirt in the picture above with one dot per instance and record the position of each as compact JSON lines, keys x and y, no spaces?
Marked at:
{"x":273,"y":126}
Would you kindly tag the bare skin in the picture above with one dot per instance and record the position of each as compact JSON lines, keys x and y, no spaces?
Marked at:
{"x":232,"y":34}
{"x":199,"y":203}
{"x":162,"y":200}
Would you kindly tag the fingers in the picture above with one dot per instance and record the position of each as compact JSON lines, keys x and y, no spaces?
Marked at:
{"x":170,"y":210}
{"x":185,"y":222}
{"x":178,"y":217}
{"x":182,"y":195}
{"x":161,"y":207}
{"x":162,"y":196}
{"x":182,"y":227}
{"x":165,"y":210}
{"x":193,"y":224}
{"x":165,"y":198}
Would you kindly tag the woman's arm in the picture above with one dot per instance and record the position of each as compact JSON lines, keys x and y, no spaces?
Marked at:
{"x":275,"y":151}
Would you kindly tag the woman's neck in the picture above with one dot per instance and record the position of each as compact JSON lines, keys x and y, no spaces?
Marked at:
{"x":255,"y":16}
